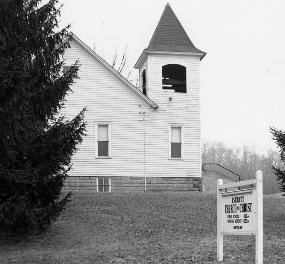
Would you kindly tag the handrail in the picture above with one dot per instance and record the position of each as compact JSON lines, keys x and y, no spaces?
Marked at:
{"x":212,"y":163}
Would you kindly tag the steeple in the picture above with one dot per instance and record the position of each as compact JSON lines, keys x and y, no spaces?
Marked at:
{"x":169,"y":36}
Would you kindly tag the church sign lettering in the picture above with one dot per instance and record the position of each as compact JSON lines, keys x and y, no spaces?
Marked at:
{"x":239,"y":213}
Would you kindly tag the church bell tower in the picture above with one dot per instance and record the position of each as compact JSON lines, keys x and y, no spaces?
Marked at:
{"x":167,"y":63}
{"x":169,"y":75}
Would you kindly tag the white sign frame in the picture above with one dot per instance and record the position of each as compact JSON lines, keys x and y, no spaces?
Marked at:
{"x":235,"y":189}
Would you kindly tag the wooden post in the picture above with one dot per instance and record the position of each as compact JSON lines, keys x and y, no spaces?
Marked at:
{"x":220,"y":253}
{"x":259,"y":219}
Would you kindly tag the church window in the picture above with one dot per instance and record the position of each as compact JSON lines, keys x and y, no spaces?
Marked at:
{"x":176,"y":142}
{"x":103,"y":140}
{"x":174,"y":78}
{"x":144,"y":82}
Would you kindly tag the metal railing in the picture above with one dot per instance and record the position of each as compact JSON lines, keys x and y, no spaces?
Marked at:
{"x":220,"y":166}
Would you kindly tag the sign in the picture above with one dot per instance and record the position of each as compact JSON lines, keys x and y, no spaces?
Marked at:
{"x":240,"y":212}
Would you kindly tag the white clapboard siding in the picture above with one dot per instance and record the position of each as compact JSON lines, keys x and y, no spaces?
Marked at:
{"x":108,"y":99}
{"x":183,"y":109}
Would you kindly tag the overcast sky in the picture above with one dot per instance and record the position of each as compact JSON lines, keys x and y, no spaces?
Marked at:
{"x":243,"y":74}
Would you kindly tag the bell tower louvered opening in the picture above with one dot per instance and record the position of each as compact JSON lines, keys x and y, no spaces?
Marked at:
{"x":174,"y":78}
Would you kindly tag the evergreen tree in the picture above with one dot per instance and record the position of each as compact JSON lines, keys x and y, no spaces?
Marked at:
{"x":36,"y":142}
{"x":279,"y":169}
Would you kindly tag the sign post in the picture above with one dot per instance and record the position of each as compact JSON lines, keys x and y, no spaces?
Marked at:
{"x":240,"y":212}
{"x":220,"y":238}
{"x":259,"y":219}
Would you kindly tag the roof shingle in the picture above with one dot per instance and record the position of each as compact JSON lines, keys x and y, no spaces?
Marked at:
{"x":169,"y":35}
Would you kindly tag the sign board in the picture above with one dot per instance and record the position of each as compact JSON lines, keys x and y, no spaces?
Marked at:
{"x":240,"y":212}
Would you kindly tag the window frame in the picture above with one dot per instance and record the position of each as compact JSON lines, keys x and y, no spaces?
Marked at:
{"x":182,"y":141}
{"x":108,"y":124}
{"x":109,"y":184}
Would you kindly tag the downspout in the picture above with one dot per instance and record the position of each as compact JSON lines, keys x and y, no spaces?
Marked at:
{"x":144,"y":155}
{"x":142,"y":112}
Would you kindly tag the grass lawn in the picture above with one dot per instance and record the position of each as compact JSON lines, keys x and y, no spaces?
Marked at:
{"x":162,"y":227}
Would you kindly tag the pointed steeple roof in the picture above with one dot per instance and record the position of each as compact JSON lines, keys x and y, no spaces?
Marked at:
{"x":170,"y":36}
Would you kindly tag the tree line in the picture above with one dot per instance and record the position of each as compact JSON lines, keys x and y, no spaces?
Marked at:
{"x":244,"y":161}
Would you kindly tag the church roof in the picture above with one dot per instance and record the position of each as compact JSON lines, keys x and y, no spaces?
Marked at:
{"x":170,"y":36}
{"x":113,"y":71}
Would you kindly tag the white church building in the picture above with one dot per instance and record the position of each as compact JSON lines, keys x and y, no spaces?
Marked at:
{"x":139,"y":138}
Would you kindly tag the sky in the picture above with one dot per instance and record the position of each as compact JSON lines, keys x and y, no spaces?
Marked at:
{"x":242,"y":77}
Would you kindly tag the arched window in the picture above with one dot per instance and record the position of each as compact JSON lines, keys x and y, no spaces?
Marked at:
{"x":174,"y":78}
{"x":144,"y":82}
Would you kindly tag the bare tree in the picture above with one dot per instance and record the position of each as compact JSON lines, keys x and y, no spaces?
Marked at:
{"x":120,"y":64}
